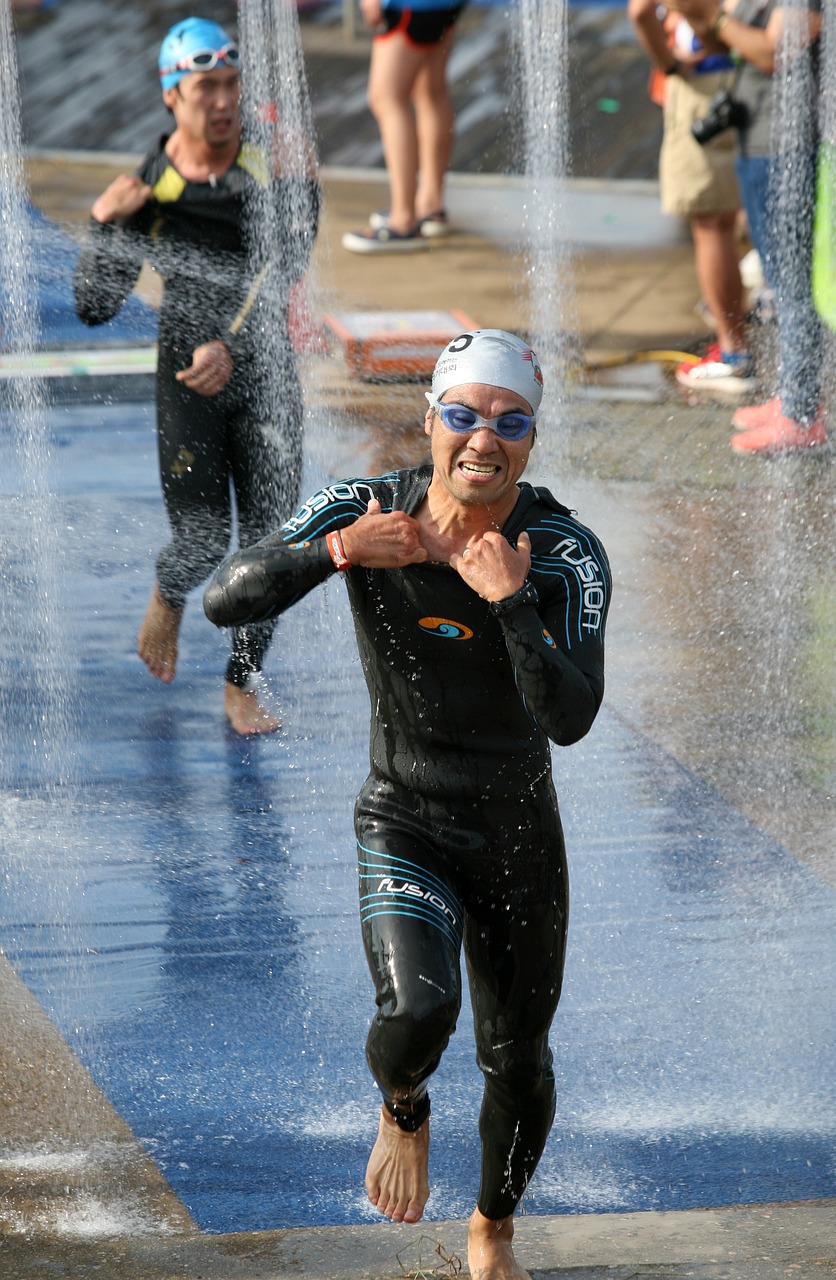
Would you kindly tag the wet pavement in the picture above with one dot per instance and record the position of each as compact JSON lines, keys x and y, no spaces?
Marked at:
{"x":211,"y":1005}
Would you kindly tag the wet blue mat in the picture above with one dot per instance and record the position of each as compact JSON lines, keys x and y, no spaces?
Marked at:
{"x":54,"y":256}
{"x":183,"y":903}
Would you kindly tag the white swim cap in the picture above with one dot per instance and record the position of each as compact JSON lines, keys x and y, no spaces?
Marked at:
{"x":490,"y":356}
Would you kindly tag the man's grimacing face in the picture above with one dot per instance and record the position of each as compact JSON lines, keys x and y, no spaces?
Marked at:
{"x":479,"y":467}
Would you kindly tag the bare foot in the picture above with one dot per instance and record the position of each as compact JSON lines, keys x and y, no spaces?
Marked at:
{"x":489,"y":1252}
{"x":246,"y":714}
{"x":397,"y":1176}
{"x":157,"y":639}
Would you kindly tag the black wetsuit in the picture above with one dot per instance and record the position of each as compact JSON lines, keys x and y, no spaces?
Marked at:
{"x":218,"y":285}
{"x":457,"y":825}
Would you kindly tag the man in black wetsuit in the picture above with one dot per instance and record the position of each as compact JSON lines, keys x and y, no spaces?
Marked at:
{"x":479,"y":604}
{"x":190,"y":210}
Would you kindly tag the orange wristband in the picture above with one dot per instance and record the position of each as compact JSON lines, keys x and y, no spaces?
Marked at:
{"x":336,"y":550}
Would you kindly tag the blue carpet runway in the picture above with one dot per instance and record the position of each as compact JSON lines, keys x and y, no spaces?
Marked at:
{"x":183,"y":904}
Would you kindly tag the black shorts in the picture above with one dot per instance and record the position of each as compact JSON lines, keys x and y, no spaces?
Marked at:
{"x":428,"y":27}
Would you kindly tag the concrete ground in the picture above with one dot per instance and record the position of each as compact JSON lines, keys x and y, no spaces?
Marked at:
{"x":686,"y":523}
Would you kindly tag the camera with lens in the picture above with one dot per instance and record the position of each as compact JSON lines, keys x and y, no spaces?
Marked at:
{"x":723,"y":113}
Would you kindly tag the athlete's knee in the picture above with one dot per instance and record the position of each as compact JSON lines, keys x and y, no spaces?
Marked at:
{"x":406,"y":1043}
{"x":204,"y":534}
{"x":420,"y":1027}
{"x":191,"y":559}
{"x":521,"y":1069}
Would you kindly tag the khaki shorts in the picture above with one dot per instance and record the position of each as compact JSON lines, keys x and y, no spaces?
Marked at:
{"x":693,"y":178}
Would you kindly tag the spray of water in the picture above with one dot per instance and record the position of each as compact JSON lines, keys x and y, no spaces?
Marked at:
{"x":35,"y":655}
{"x":794,"y":143}
{"x":281,"y":212}
{"x":826,"y":100}
{"x":540,"y":43}
{"x":38,"y":728}
{"x":281,"y":224}
{"x":790,"y":532}
{"x":278,"y":119}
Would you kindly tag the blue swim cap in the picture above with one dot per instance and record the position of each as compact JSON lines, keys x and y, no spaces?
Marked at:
{"x":194,"y":38}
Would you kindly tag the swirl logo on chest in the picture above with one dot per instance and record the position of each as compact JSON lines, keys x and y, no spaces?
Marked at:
{"x":446,"y":628}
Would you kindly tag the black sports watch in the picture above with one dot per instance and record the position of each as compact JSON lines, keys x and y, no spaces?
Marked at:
{"x":527,"y":594}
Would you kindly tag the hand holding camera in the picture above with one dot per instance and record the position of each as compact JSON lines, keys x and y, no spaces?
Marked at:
{"x":723,"y":113}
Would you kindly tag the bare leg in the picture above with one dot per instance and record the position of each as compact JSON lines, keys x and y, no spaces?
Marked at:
{"x":397,"y":1176}
{"x":489,"y":1252}
{"x":394,"y":66}
{"x":718,"y":273}
{"x":157,"y":639}
{"x":245,"y":713}
{"x":434,"y":121}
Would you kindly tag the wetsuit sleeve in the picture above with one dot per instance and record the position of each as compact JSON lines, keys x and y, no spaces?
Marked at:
{"x":556,"y":647}
{"x":561,"y":691}
{"x":260,"y":582}
{"x":107,"y":269}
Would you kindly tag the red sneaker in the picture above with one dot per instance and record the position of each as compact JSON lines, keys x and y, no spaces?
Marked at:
{"x":780,"y":436}
{"x":724,"y":372}
{"x":756,"y":415}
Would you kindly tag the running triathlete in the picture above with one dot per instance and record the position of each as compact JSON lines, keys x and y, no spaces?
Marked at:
{"x":185,"y":211}
{"x":479,"y":604}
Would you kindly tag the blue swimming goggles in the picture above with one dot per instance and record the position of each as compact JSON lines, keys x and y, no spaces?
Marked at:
{"x":508,"y":426}
{"x":205,"y":60}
